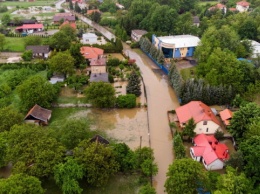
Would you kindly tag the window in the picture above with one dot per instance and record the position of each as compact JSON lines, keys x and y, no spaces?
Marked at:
{"x":207,"y":130}
{"x":205,"y":122}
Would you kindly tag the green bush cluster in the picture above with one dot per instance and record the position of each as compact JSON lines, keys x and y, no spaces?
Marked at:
{"x":126,"y":101}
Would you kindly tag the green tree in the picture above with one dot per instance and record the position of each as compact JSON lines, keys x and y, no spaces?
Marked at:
{"x":27,"y":55}
{"x":179,"y":149}
{"x":22,"y":184}
{"x":76,"y":54}
{"x":36,"y":90}
{"x":63,"y":63}
{"x":32,"y":151}
{"x":147,"y":189}
{"x":242,"y":118}
{"x":101,"y":94}
{"x":175,"y":78}
{"x":125,"y":157}
{"x":95,"y":16}
{"x":134,"y":84}
{"x":77,"y":81}
{"x":189,"y":129}
{"x":32,"y":40}
{"x":98,"y":161}
{"x":126,"y":101}
{"x":69,"y":31}
{"x":3,"y":148}
{"x":71,"y":5}
{"x":233,"y":182}
{"x":185,"y":176}
{"x":253,"y":129}
{"x":248,"y":29}
{"x":67,"y":174}
{"x":72,"y":132}
{"x":60,"y":41}
{"x":77,"y":8}
{"x":250,"y":150}
{"x":236,"y":161}
{"x":6,"y":18}
{"x":9,"y":117}
{"x":2,"y":42}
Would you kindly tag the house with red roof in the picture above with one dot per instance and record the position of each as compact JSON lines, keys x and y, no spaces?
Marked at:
{"x":242,"y":6}
{"x":219,"y":6}
{"x":209,"y":151}
{"x":206,"y":121}
{"x":226,"y":115}
{"x":91,"y":11}
{"x":30,"y":28}
{"x":71,"y":24}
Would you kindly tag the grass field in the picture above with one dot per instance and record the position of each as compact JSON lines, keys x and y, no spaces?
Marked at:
{"x":119,"y":184}
{"x":203,"y":3}
{"x":28,"y":4}
{"x":14,"y":44}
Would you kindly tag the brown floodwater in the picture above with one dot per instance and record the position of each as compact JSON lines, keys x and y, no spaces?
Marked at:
{"x":161,"y":98}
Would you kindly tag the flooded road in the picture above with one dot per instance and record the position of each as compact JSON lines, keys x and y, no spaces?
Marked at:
{"x":161,"y":98}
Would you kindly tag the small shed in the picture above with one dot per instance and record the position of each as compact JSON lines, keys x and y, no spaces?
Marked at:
{"x":38,"y":115}
{"x":226,"y":115}
{"x":89,"y":38}
{"x":57,"y":78}
{"x":99,"y":139}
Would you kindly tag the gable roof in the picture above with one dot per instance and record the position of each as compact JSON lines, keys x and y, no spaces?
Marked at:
{"x":139,"y":32}
{"x":73,"y":24}
{"x":208,"y":147}
{"x":39,"y":49}
{"x":89,"y":12}
{"x":65,"y":16}
{"x":91,"y":52}
{"x":196,"y":110}
{"x":39,"y":113}
{"x":180,"y":41}
{"x":225,"y":115}
{"x":100,"y":139}
{"x":243,"y":3}
{"x":30,"y":26}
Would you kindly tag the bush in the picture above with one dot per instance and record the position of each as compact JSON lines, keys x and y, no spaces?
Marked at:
{"x":135,"y":45}
{"x":219,"y":135}
{"x":126,"y":101}
{"x":111,"y":78}
{"x":27,"y":55}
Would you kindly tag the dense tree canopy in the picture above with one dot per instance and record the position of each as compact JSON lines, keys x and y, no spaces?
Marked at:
{"x":101,"y":94}
{"x":32,"y":151}
{"x":22,"y":184}
{"x":9,"y":117}
{"x":36,"y":90}
{"x":60,"y":41}
{"x":185,"y":176}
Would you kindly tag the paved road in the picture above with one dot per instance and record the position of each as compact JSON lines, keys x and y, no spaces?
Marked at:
{"x":161,"y":98}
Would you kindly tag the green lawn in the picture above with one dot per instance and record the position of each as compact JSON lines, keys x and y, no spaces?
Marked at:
{"x":186,"y":73}
{"x":46,"y":14}
{"x":14,"y":44}
{"x":28,"y":4}
{"x":203,"y":3}
{"x":119,"y":184}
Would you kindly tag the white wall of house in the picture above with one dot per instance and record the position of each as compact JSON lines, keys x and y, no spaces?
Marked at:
{"x":98,"y":69}
{"x":216,"y":165}
{"x":89,"y":38}
{"x":206,"y":127}
{"x":242,"y":8}
{"x":193,"y":156}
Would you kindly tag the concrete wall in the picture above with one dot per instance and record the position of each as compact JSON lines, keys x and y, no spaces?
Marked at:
{"x":209,"y":128}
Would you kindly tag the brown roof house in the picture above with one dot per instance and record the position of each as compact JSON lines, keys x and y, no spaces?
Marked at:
{"x":38,"y":115}
{"x":40,"y":51}
{"x":65,"y":17}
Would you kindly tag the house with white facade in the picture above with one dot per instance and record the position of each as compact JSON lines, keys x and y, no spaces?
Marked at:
{"x":209,"y":151}
{"x":218,"y":6}
{"x":256,"y":49}
{"x":137,"y":34}
{"x":89,"y":38}
{"x":242,"y":6}
{"x":179,"y":46}
{"x":205,"y":119}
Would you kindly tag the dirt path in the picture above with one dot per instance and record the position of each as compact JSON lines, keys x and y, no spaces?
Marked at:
{"x":161,"y":98}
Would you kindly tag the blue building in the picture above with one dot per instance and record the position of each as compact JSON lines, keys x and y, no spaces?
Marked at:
{"x":179,"y":46}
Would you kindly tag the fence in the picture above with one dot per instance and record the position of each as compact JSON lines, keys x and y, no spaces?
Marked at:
{"x":165,"y":70}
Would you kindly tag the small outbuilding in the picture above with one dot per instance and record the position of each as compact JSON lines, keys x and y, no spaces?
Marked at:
{"x":38,"y":115}
{"x":89,"y":38}
{"x":226,"y":115}
{"x":99,"y":139}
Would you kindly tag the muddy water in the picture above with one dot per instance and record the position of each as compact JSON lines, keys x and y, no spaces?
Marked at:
{"x":161,"y":98}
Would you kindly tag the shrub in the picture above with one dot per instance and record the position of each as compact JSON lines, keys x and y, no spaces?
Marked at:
{"x":219,"y":135}
{"x":126,"y":101}
{"x":110,"y":78}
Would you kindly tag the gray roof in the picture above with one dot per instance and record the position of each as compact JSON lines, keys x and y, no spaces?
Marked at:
{"x":140,"y":32}
{"x":39,"y":48}
{"x":98,"y":77}
{"x":64,"y":17}
{"x":196,"y":20}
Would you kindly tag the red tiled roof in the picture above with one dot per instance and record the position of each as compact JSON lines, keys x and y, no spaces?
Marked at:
{"x":232,"y":9}
{"x":89,"y":12}
{"x":196,"y":110}
{"x":225,"y":115}
{"x":91,"y":52}
{"x":212,"y":151}
{"x":218,"y":6}
{"x":243,"y":3}
{"x":72,"y":24}
{"x":30,"y":26}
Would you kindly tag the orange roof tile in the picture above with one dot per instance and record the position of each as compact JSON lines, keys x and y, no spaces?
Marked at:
{"x":89,"y":12}
{"x":243,"y":3}
{"x":91,"y":52}
{"x":225,"y":115}
{"x":196,"y":110}
{"x":72,"y":24}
